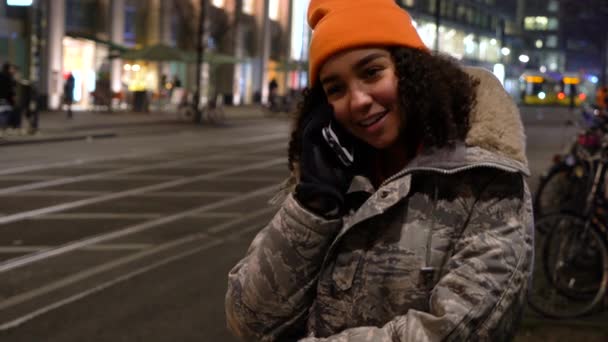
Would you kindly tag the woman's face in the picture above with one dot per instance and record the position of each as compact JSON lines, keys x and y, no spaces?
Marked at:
{"x":361,"y":86}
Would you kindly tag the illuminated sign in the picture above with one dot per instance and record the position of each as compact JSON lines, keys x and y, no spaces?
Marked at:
{"x":571,"y":80}
{"x":534,"y":79}
{"x":19,"y":2}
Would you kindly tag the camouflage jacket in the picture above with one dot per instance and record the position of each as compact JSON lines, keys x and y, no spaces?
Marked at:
{"x":440,"y":251}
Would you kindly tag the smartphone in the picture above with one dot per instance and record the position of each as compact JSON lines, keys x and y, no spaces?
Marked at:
{"x":344,"y":152}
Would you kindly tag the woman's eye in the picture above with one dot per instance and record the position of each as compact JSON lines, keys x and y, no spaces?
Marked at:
{"x":333,"y":89}
{"x":372,"y":72}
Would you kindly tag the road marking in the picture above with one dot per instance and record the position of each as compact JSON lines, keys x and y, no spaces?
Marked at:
{"x":63,"y":193}
{"x":12,"y":301}
{"x":105,"y":247}
{"x":217,"y":215}
{"x":105,"y":174}
{"x":77,"y":162}
{"x":151,"y":188}
{"x":193,"y":193}
{"x":136,"y":156}
{"x":18,"y":262}
{"x":97,"y":216}
{"x":253,"y":179}
{"x":28,"y":177}
{"x":142,"y":177}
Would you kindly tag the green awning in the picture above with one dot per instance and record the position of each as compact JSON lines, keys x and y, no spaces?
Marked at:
{"x":156,"y":53}
{"x":112,"y":45}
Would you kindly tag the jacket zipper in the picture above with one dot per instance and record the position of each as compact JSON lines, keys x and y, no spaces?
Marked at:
{"x":447,"y":172}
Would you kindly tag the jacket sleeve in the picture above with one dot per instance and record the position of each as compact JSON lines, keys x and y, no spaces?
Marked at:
{"x":481,"y":295}
{"x":271,"y":289}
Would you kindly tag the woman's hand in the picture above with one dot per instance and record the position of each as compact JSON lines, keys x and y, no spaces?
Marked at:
{"x":323,"y":179}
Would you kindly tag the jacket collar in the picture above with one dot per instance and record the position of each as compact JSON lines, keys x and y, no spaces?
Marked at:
{"x":495,"y":123}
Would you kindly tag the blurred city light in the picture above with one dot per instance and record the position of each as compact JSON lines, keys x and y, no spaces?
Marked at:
{"x":593,"y":79}
{"x":19,"y":2}
{"x":505,"y":51}
{"x":543,"y":69}
{"x":524,"y":58}
{"x":542,"y":95}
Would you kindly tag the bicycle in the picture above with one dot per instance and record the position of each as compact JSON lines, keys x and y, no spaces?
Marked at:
{"x":571,"y":276}
{"x":564,"y":186}
{"x":213,"y":112}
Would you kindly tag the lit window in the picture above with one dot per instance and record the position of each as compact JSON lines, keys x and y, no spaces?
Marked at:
{"x":218,"y":3}
{"x":540,"y":23}
{"x":248,"y":6}
{"x":552,"y":24}
{"x":553,"y":6}
{"x":273,"y":9}
{"x":551,"y":41}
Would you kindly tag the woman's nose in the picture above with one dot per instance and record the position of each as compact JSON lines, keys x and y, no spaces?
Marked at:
{"x":360,"y":99}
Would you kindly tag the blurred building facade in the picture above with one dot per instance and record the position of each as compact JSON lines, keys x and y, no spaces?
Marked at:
{"x":476,"y":32}
{"x":268,"y":38}
{"x":86,"y":38}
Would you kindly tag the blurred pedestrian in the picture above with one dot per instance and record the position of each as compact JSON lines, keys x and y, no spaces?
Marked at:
{"x":68,"y":94}
{"x":407,"y":216}
{"x":601,"y":97}
{"x":273,"y":86}
{"x":8,"y":93}
{"x":177,"y":83}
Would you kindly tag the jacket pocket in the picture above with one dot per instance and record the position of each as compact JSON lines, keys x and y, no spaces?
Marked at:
{"x":345,"y":268}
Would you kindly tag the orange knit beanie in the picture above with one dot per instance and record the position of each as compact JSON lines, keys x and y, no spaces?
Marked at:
{"x":343,"y":24}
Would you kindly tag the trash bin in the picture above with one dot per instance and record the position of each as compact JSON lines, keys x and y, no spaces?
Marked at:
{"x":140,"y":101}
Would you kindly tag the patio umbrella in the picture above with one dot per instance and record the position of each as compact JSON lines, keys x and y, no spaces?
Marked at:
{"x":291,"y":66}
{"x":156,"y":53}
{"x":213,"y":58}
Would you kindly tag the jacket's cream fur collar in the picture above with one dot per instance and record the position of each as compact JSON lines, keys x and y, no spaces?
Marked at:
{"x":495,"y":122}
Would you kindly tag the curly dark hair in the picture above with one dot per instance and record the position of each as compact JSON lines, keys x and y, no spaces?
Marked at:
{"x":436,"y":99}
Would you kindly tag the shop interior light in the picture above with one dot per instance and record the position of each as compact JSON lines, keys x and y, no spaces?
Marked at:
{"x":127,"y":67}
{"x":493,"y":41}
{"x":19,"y":2}
{"x":135,"y":67}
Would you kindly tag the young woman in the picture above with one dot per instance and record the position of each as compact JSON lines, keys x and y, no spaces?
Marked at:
{"x":417,"y":226}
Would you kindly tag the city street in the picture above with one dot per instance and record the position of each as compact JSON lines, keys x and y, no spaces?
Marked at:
{"x":130,"y":237}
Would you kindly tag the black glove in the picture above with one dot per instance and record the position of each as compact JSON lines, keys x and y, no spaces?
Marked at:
{"x":323,"y":179}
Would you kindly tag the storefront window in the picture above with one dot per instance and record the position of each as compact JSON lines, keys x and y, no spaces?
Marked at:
{"x":489,"y":50}
{"x":273,"y":9}
{"x":248,"y":6}
{"x":218,"y":3}
{"x":299,"y":31}
{"x":427,"y":33}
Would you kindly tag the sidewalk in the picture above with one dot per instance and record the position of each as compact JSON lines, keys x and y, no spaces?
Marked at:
{"x":55,"y":127}
{"x":585,"y":329}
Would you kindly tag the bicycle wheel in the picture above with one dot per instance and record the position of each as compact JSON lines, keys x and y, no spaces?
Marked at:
{"x":563,"y":189}
{"x":571,"y":268}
